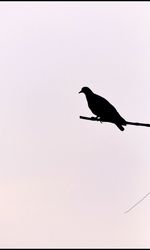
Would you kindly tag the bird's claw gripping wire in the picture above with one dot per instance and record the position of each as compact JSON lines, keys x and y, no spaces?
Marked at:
{"x":97,"y":118}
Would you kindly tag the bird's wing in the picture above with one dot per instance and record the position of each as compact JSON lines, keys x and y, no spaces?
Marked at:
{"x":108,"y":111}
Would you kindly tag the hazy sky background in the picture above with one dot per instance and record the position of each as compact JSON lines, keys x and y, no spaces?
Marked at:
{"x":66,"y":182}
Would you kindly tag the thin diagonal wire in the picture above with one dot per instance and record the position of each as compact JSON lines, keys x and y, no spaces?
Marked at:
{"x":136,"y":203}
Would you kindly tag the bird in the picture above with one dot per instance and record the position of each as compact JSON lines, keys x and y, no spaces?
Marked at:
{"x":105,"y":111}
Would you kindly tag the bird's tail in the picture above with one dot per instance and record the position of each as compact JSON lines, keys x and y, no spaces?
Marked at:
{"x":138,"y":124}
{"x":120,"y":127}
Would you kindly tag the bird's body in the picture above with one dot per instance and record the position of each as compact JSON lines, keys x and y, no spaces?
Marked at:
{"x":102,"y":108}
{"x":105,"y":110}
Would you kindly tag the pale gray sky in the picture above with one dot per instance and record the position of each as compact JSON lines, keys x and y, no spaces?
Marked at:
{"x":66,"y":182}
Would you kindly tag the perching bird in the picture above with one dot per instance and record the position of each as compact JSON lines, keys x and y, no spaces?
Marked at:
{"x":105,"y":111}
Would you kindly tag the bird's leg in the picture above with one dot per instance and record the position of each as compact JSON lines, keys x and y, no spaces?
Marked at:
{"x":94,"y":117}
{"x":98,"y":117}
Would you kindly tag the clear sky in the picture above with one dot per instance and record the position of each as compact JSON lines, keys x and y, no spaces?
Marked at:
{"x":66,"y":182}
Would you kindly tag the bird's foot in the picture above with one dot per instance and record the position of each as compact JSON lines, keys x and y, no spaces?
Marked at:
{"x":99,"y":119}
{"x":94,"y":118}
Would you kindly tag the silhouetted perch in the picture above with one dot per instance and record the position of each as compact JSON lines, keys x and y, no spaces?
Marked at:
{"x":92,"y":119}
{"x":127,"y":123}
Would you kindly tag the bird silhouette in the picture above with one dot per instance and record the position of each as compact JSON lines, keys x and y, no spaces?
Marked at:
{"x":105,"y":111}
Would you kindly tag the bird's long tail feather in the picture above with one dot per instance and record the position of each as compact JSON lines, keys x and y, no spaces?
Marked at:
{"x":120,"y":127}
{"x":138,"y":124}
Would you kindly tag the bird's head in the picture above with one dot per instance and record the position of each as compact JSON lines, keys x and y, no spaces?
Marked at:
{"x":86,"y":90}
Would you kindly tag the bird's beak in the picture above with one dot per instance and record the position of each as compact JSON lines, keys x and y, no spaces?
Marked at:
{"x":80,"y":91}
